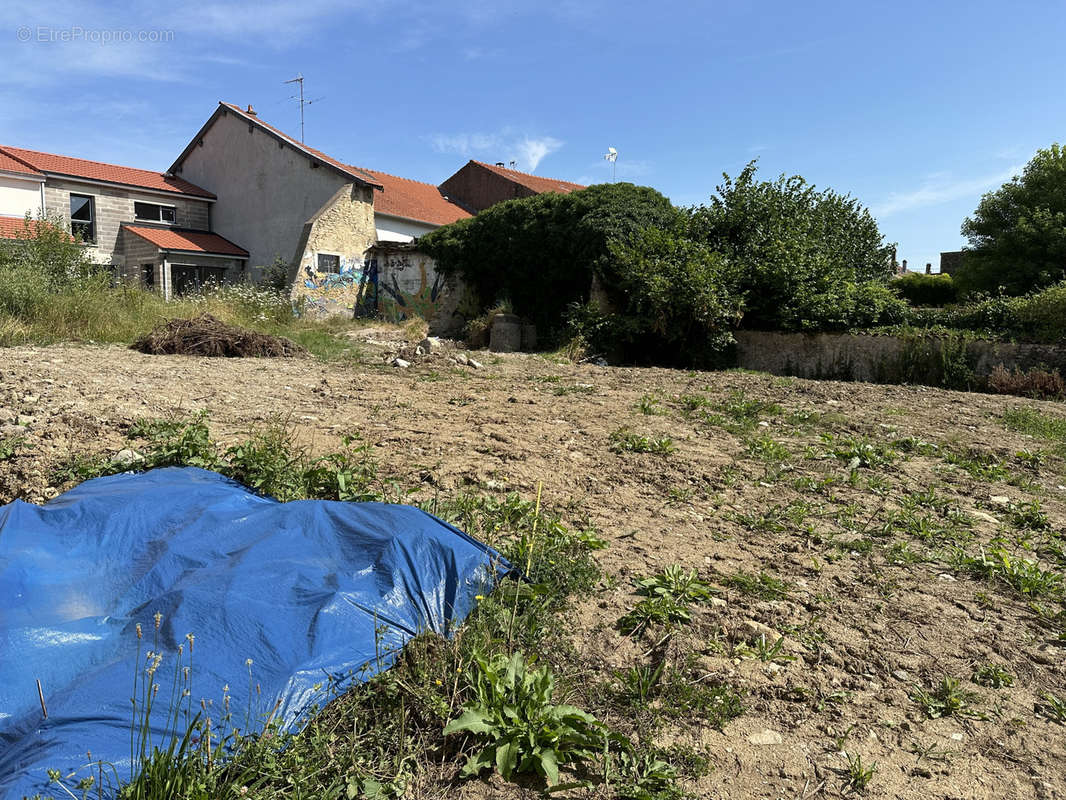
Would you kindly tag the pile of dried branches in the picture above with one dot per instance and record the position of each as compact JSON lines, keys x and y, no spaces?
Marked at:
{"x":207,"y":336}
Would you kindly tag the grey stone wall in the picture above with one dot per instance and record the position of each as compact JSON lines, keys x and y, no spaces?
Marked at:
{"x":137,"y":252}
{"x":886,"y":359}
{"x":114,"y":206}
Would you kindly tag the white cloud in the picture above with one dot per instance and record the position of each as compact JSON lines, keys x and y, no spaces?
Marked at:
{"x":938,"y":188}
{"x":506,"y":145}
{"x":532,"y":151}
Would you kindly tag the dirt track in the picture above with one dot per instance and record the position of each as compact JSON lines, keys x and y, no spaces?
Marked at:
{"x":864,"y":631}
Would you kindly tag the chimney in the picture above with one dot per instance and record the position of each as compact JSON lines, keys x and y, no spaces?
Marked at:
{"x":499,"y":163}
{"x":928,"y":269}
{"x":251,"y":111}
{"x":904,"y":265}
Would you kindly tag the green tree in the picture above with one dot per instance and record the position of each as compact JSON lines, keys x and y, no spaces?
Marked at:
{"x":675,"y":301}
{"x":1017,"y":235}
{"x":799,"y":253}
{"x":541,"y":252}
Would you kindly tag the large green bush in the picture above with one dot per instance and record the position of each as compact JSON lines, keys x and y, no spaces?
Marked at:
{"x":676,"y":301}
{"x":541,"y":252}
{"x":919,"y":289}
{"x":804,"y":257}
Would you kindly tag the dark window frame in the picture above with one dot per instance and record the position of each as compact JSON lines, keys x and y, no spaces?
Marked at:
{"x":158,"y":208}
{"x":334,"y":260}
{"x":83,"y":229}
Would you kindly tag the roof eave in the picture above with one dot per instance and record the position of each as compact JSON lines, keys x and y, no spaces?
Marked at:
{"x":207,"y":198}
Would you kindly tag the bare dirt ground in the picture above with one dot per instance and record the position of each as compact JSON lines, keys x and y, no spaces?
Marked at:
{"x":874,"y":607}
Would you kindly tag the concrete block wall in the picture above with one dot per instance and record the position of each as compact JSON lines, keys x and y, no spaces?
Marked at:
{"x":114,"y":206}
{"x":136,"y":253}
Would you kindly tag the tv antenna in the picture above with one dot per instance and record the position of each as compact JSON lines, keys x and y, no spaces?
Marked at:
{"x":612,"y":156}
{"x":300,"y":98}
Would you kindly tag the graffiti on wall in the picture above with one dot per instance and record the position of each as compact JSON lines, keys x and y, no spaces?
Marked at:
{"x":397,"y":305}
{"x":341,"y":292}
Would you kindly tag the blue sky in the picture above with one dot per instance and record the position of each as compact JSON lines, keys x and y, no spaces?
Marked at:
{"x":914,"y":108}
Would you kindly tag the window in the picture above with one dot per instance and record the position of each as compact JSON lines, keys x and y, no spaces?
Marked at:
{"x":187,"y":278}
{"x":327,"y":262}
{"x":82,"y":217}
{"x":153,"y":212}
{"x":148,"y":273}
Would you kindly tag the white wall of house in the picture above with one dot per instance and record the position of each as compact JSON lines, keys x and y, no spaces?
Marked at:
{"x":397,"y":229}
{"x":19,"y":196}
{"x":266,"y":190}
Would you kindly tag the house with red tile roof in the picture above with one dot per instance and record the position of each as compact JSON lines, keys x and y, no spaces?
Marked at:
{"x":152,"y":228}
{"x":339,"y":230}
{"x":478,"y":185}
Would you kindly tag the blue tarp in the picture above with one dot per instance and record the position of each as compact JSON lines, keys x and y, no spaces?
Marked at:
{"x":307,"y":590}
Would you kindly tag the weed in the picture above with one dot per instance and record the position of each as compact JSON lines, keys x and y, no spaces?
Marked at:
{"x":1055,"y":709}
{"x":742,"y":413}
{"x":679,"y":495}
{"x":947,"y":699}
{"x":859,"y":453}
{"x":858,"y":775}
{"x":992,"y":676}
{"x":980,"y":464}
{"x":764,"y":651}
{"x":624,"y":441}
{"x":689,"y":403}
{"x":1030,"y":421}
{"x":662,"y":610}
{"x":762,"y":585}
{"x":766,"y":449}
{"x":9,"y":446}
{"x":512,"y":716}
{"x":683,"y":586}
{"x":649,"y":405}
{"x":1024,"y":576}
{"x":1028,"y":516}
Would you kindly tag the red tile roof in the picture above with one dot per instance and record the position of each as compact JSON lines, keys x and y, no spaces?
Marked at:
{"x":11,"y":164}
{"x":98,"y":171}
{"x":409,"y":199}
{"x":351,"y":171}
{"x":189,"y":241}
{"x":14,"y":227}
{"x":533,"y":182}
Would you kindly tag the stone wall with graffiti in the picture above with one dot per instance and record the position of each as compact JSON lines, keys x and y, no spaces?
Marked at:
{"x":332,"y":274}
{"x":407,"y":285}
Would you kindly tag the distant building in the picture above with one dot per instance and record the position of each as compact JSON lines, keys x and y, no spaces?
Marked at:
{"x":951,"y":262}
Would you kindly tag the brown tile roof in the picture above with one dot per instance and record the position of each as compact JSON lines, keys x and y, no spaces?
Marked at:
{"x":409,"y":199}
{"x":533,"y":182}
{"x":351,"y":171}
{"x":189,"y":241}
{"x":98,"y":171}
{"x":14,"y":227}
{"x":11,"y":164}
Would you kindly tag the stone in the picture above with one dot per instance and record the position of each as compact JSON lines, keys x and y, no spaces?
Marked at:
{"x":461,"y":358}
{"x":999,"y":499}
{"x":431,"y":344}
{"x":718,"y":602}
{"x":901,"y":675}
{"x":399,"y":362}
{"x":7,"y":416}
{"x":765,"y":737}
{"x":505,"y":335}
{"x":127,"y":456}
{"x":419,"y":351}
{"x":751,"y":629}
{"x":473,"y":363}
